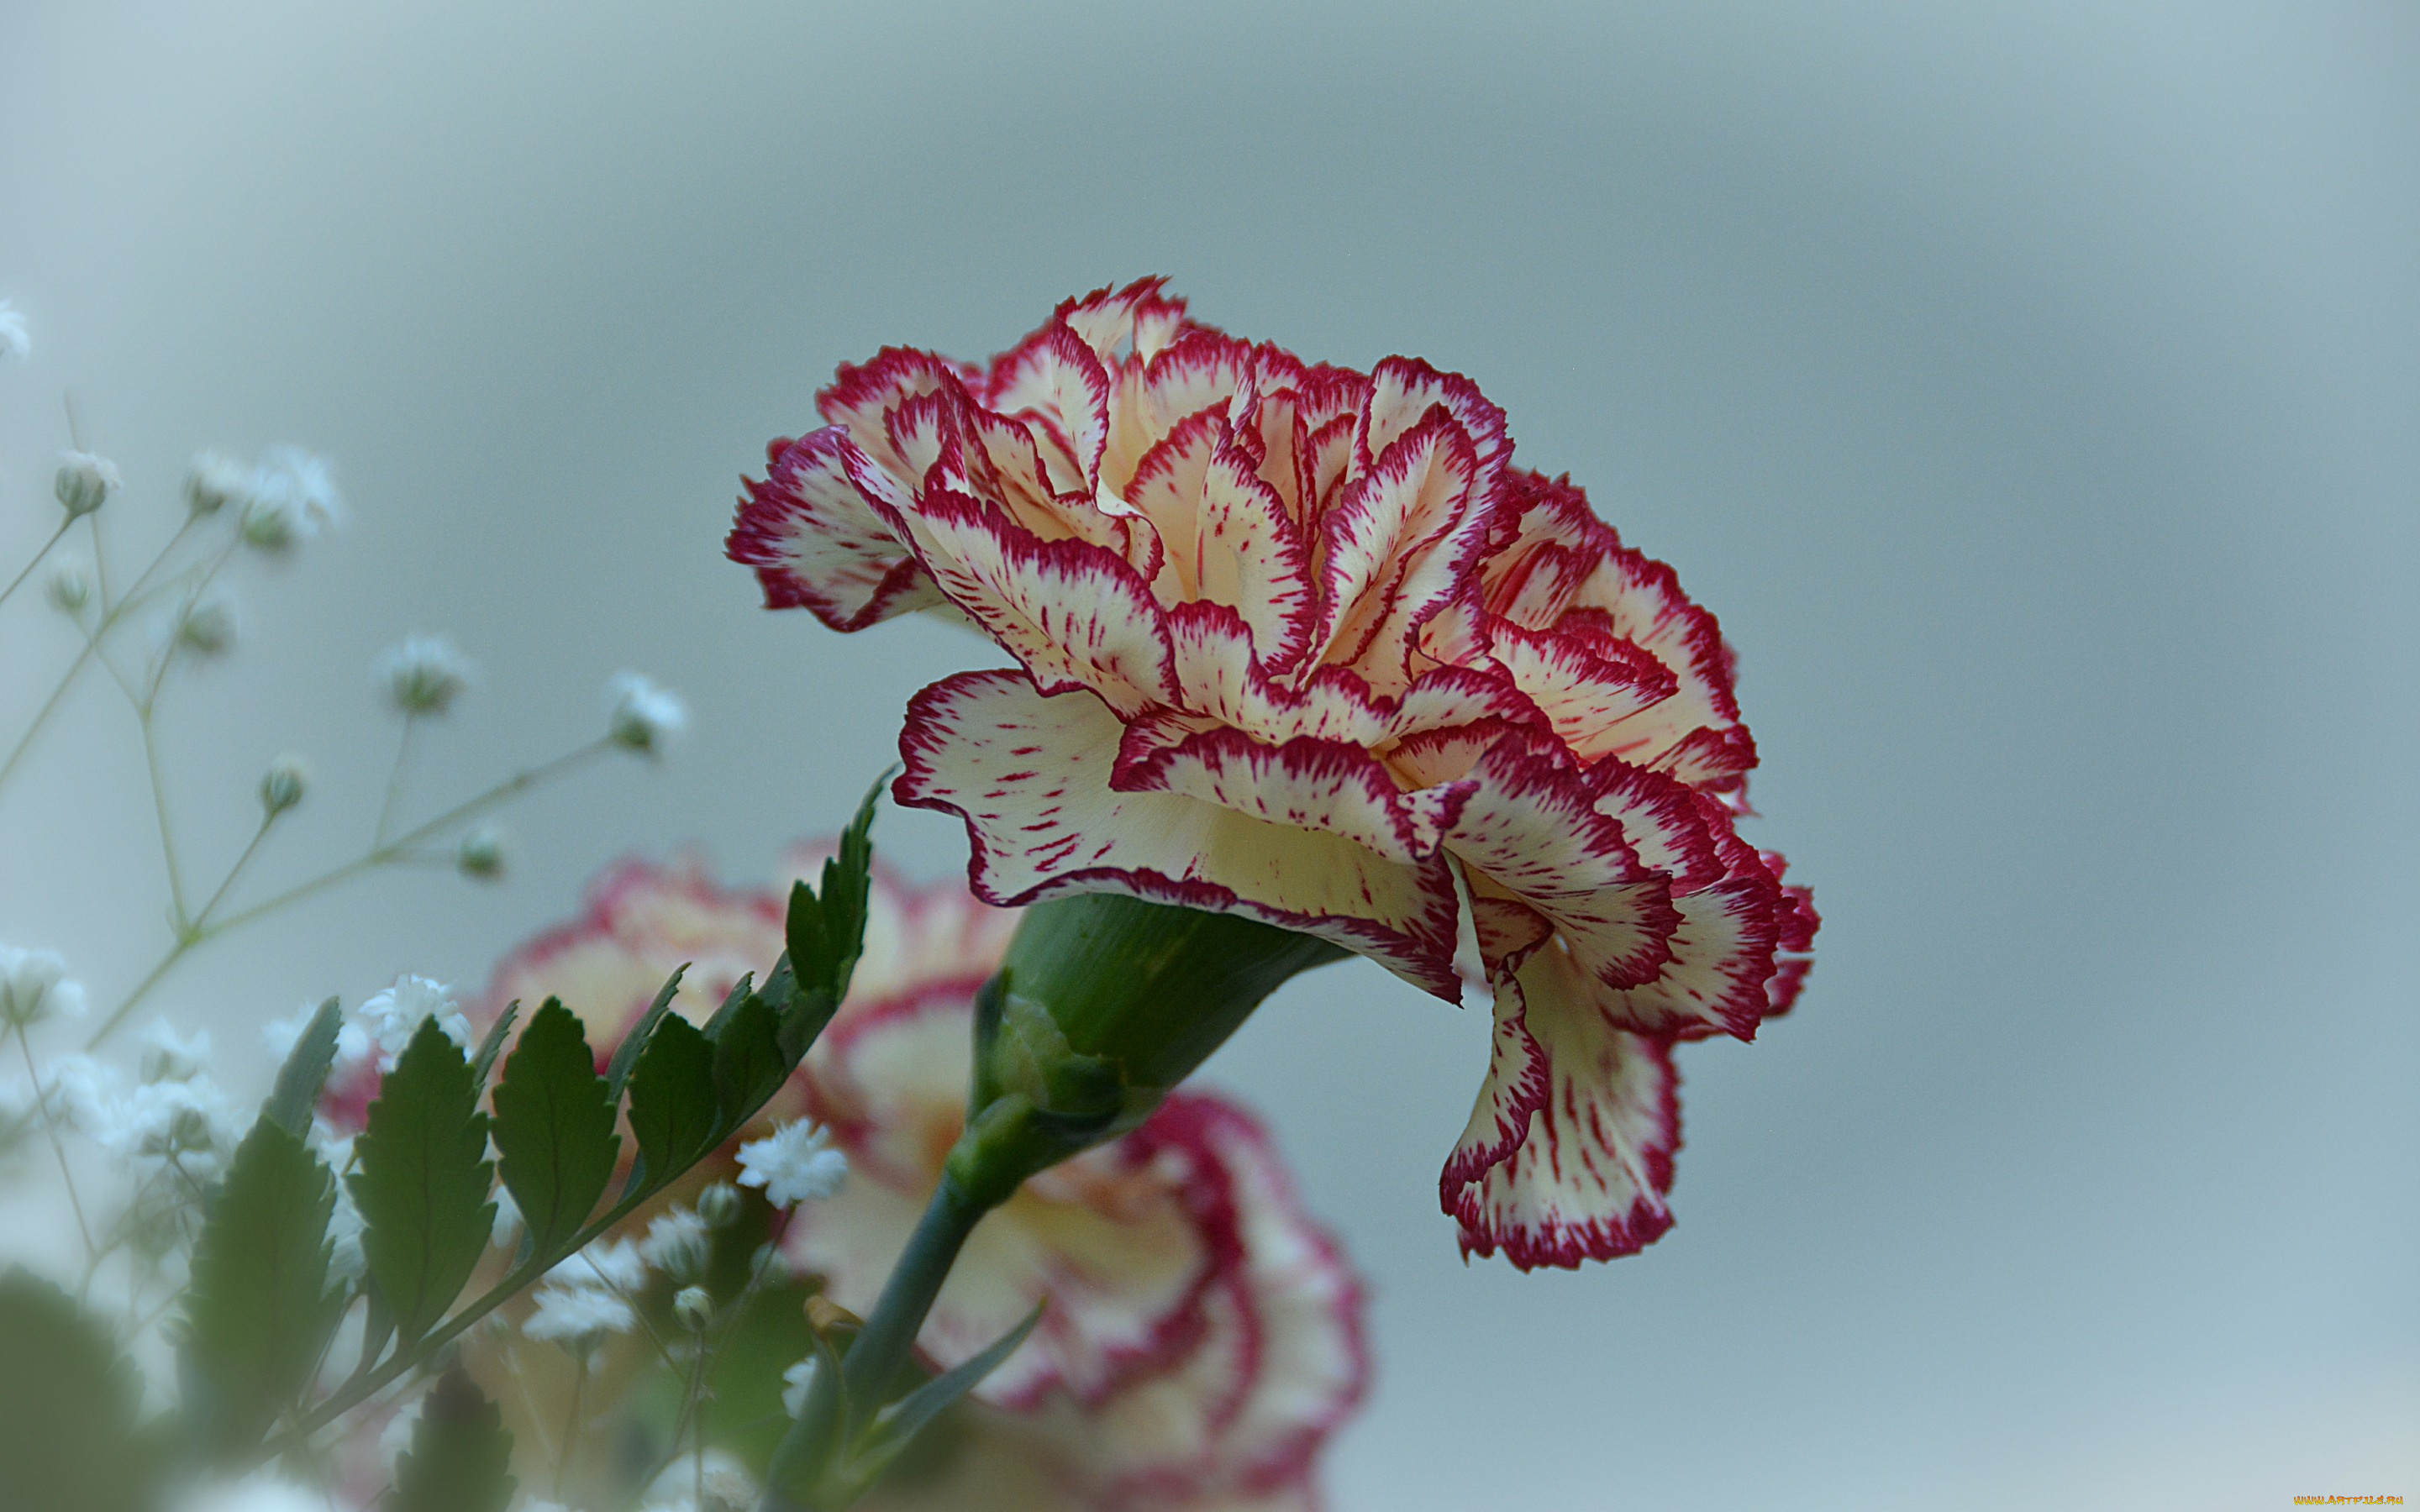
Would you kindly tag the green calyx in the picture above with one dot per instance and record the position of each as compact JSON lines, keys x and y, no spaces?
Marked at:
{"x":1103,"y":1004}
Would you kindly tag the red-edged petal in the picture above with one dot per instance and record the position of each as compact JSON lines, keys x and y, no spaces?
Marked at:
{"x":1721,"y":961}
{"x":1516,"y":1088}
{"x":1586,"y":680}
{"x":862,"y":395}
{"x":1134,"y":322}
{"x":1588,"y":1180}
{"x":1030,"y":774}
{"x":1397,"y":547}
{"x":1327,"y":785}
{"x":1054,"y":380}
{"x":817,"y":544}
{"x":1075,"y":613}
{"x":1530,"y":829}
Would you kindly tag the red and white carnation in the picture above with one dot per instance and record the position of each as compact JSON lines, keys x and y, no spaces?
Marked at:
{"x":1299,"y":642}
{"x":1204,"y":1336}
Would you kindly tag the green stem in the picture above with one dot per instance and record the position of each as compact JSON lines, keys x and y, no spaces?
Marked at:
{"x":185,"y":919}
{"x":19,"y":580}
{"x":394,"y":781}
{"x":571,"y":1420}
{"x":58,"y":1145}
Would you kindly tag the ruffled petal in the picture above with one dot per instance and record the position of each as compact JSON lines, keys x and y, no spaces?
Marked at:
{"x":1054,"y":382}
{"x":861,"y":397}
{"x":817,"y":544}
{"x":1076,"y":614}
{"x":1588,"y":1180}
{"x":1397,"y":545}
{"x":1331,"y":786}
{"x":1030,"y":774}
{"x":1516,"y":1088}
{"x":1587,"y":681}
{"x":1721,"y":961}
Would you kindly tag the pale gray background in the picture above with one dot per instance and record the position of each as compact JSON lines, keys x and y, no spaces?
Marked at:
{"x":2032,"y":391}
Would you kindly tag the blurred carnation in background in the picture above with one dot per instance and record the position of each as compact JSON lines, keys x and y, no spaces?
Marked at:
{"x":2030,"y":394}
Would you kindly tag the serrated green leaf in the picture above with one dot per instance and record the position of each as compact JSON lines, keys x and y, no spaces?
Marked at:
{"x":259,"y":1309}
{"x":493,"y":1045}
{"x":731,"y":1000}
{"x":69,"y":1441}
{"x":460,"y":1455}
{"x":626,"y":1054}
{"x":748,"y":1063}
{"x":554,"y":1127}
{"x":673,"y":1108}
{"x":826,"y":928}
{"x":296,"y":1095}
{"x":421,"y":1181}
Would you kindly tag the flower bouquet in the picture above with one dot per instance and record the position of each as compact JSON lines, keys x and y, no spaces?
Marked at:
{"x":846,"y":1192}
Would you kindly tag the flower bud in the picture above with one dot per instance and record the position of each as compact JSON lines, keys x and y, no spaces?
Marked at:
{"x":33,"y":986}
{"x":720,"y":1205}
{"x":644,"y":713}
{"x":1104,"y":1003}
{"x":283,"y":785}
{"x":206,"y":628}
{"x":83,"y":482}
{"x":693,"y":1307}
{"x":213,"y":481}
{"x":481,"y":855}
{"x":424,"y":674}
{"x":69,"y":589}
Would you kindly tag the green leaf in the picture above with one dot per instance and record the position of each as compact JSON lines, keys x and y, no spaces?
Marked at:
{"x":493,"y":1045}
{"x":259,"y":1309}
{"x":422,"y":1182}
{"x":460,"y":1457}
{"x":67,"y":1402}
{"x":673,"y":1107}
{"x":748,"y":1063}
{"x":554,"y":1127}
{"x":900,"y":1422}
{"x":738,"y":993}
{"x":626,"y":1054}
{"x":826,"y":928}
{"x":296,"y":1095}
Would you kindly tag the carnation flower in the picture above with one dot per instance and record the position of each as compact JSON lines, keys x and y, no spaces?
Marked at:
{"x":1204,"y":1336}
{"x":1300,"y":643}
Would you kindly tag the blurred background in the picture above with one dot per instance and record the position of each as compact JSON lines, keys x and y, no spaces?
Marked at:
{"x":2033,"y":393}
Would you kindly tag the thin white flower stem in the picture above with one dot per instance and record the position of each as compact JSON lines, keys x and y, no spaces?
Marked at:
{"x":572,"y":1421}
{"x":394,"y":780}
{"x":183,"y":915}
{"x":19,"y":580}
{"x":202,"y":929}
{"x":529,"y":1402}
{"x":58,"y":1145}
{"x":269,"y":817}
{"x":110,"y":615}
{"x":709,"y":1350}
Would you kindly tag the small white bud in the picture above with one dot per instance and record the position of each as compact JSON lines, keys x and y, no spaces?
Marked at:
{"x":69,"y":588}
{"x":33,"y":986}
{"x":481,"y":855}
{"x":83,"y":482}
{"x":14,"y":342}
{"x":206,"y":628}
{"x":213,"y":481}
{"x":693,"y":1307}
{"x":796,"y":1382}
{"x":283,"y":785}
{"x":720,"y":1205}
{"x":423,"y":675}
{"x":644,"y":713}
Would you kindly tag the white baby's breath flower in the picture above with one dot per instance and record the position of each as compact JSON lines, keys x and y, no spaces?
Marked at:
{"x":83,"y":482}
{"x":568,"y":1314}
{"x":291,"y":497}
{"x":796,"y":1164}
{"x":283,"y":785}
{"x":14,"y":341}
{"x":694,"y":1307}
{"x":796,"y":1382}
{"x":676,"y":1244}
{"x":33,"y":986}
{"x":214,"y":481}
{"x":481,"y":855}
{"x":87,"y":1094}
{"x":68,"y":587}
{"x":393,"y":1016}
{"x":615,"y":1264}
{"x":423,"y":675}
{"x":170,"y":1056}
{"x":643,"y":714}
{"x":207,"y":627}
